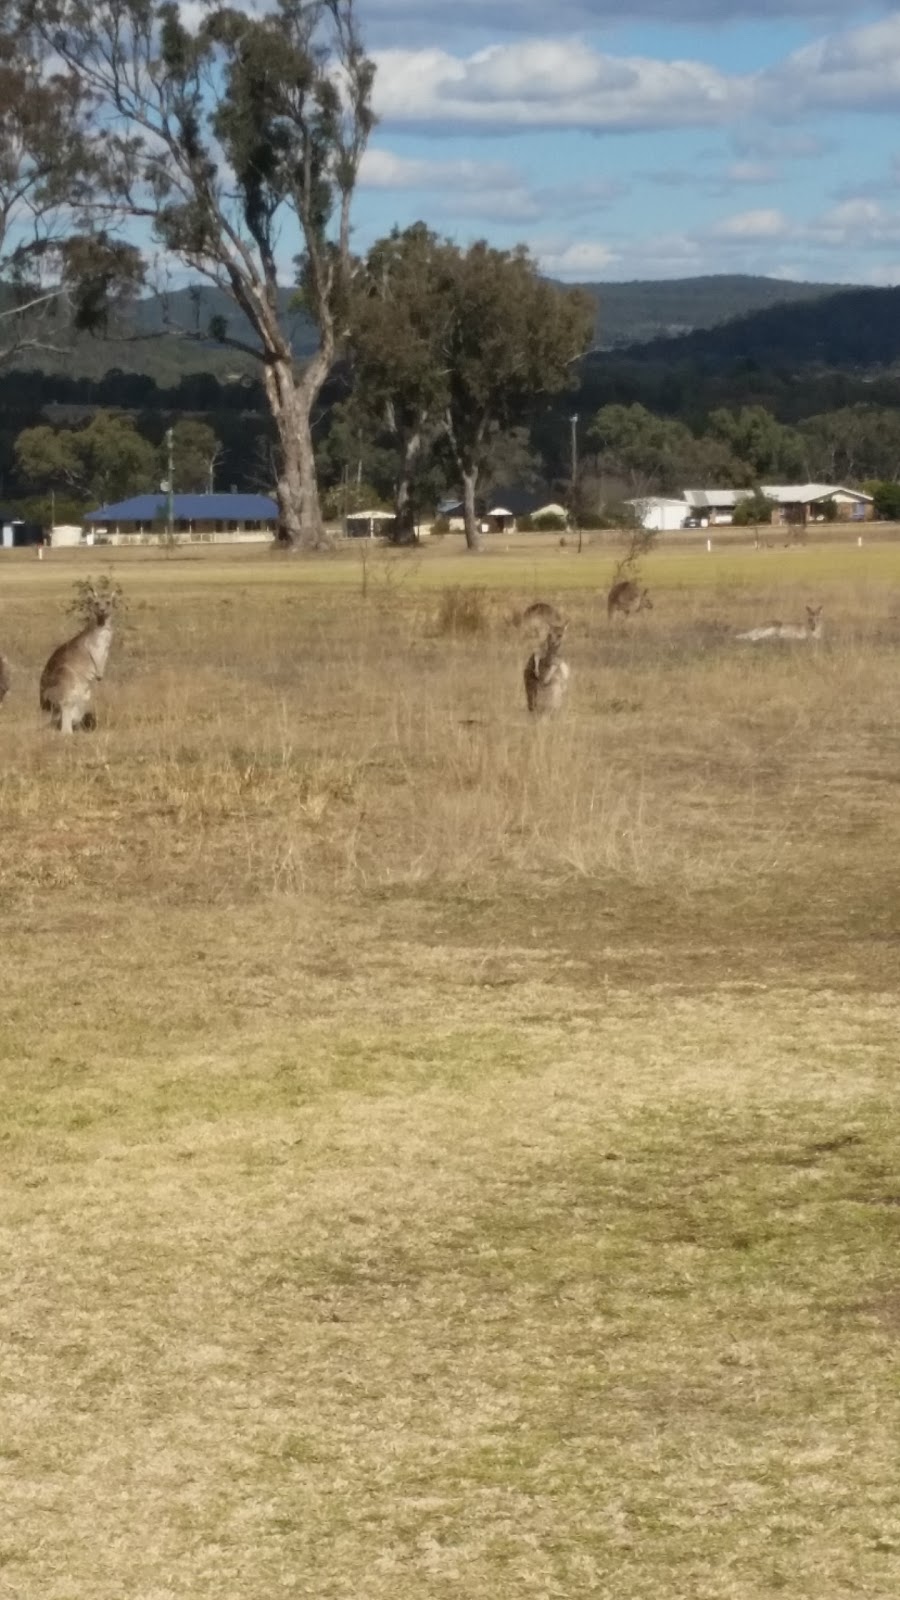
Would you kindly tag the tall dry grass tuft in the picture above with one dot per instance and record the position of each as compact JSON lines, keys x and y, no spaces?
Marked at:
{"x":463,"y":611}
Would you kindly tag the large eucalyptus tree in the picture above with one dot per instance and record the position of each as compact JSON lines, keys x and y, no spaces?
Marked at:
{"x":236,"y":139}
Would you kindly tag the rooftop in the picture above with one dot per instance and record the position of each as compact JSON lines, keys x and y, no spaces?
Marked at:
{"x":189,"y":508}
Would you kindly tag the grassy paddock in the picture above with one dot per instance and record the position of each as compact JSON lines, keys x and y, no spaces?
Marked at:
{"x":443,"y":1155}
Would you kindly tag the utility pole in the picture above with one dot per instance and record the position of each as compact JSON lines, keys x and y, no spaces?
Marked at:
{"x":170,"y":484}
{"x":573,"y":486}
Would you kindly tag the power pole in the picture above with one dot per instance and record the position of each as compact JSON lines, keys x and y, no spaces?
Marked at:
{"x":573,"y":486}
{"x":170,"y":484}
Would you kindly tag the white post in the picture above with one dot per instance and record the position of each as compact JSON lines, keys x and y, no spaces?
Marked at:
{"x":709,"y":545}
{"x":859,"y":541}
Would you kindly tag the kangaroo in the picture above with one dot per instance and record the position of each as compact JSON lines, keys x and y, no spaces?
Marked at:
{"x":69,"y":676}
{"x":4,"y":678}
{"x":626,"y":597}
{"x":546,"y":674}
{"x":788,"y":630}
{"x":542,"y":611}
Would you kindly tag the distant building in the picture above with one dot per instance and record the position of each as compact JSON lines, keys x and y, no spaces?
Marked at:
{"x":797,"y":503}
{"x":368,"y":524}
{"x":212,"y":518}
{"x":804,"y":502}
{"x":502,"y":512}
{"x":14,"y":533}
{"x":659,"y":513}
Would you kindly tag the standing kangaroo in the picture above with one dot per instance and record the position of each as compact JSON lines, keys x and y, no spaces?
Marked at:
{"x":4,"y":678}
{"x":546,"y":674}
{"x":626,"y":597}
{"x":71,"y":672}
{"x":813,"y":629}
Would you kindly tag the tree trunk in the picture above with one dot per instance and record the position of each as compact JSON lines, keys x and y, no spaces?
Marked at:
{"x":297,"y":489}
{"x":473,"y":535}
{"x":404,"y":509}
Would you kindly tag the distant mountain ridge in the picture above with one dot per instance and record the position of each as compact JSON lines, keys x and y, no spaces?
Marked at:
{"x":650,"y":309}
{"x":657,"y":317}
{"x":854,"y":328}
{"x":627,"y":313}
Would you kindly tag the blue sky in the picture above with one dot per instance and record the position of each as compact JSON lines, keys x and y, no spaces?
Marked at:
{"x":625,"y":142}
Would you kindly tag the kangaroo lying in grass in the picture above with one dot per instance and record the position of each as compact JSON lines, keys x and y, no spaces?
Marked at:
{"x":813,"y":628}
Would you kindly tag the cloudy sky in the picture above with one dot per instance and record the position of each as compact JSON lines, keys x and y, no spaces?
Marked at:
{"x":657,"y":138}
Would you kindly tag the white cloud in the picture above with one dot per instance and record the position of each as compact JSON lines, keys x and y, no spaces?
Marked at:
{"x":384,"y":169}
{"x":856,"y":70}
{"x":575,"y":261}
{"x":763,"y":224}
{"x":749,"y":172}
{"x":422,"y":18}
{"x":486,"y":189}
{"x":566,"y":83}
{"x":547,"y":83}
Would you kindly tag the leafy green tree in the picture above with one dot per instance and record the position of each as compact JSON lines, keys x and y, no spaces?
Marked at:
{"x":645,"y":451}
{"x":400,"y":315}
{"x":852,"y":443}
{"x":767,"y":448}
{"x":886,"y":499}
{"x":509,"y":336}
{"x":60,"y":272}
{"x":195,"y":452}
{"x":105,"y":461}
{"x":228,"y":133}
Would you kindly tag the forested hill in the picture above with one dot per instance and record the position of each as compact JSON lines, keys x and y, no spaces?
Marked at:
{"x":854,"y":329}
{"x":632,"y":313}
{"x":626,"y":313}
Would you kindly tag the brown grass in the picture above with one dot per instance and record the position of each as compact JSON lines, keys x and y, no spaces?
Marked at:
{"x":445,"y":1155}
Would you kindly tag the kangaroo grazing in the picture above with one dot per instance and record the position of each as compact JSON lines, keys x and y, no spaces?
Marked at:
{"x":542,"y":611}
{"x":71,"y":672}
{"x":546,"y":674}
{"x":813,"y":629}
{"x":626,"y":597}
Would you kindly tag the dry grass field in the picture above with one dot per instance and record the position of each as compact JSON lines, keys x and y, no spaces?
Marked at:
{"x":443,"y":1155}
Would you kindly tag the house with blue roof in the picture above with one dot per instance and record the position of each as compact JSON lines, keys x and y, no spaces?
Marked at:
{"x":203,"y":517}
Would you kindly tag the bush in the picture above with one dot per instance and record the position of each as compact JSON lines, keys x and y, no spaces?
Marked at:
{"x":463,"y":611}
{"x":591,"y":522}
{"x":548,"y":522}
{"x":617,"y":514}
{"x":886,"y":497}
{"x":753,"y":509}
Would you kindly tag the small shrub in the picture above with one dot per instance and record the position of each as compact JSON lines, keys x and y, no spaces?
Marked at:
{"x":754,"y":509}
{"x":93,"y":595}
{"x":549,"y":522}
{"x":619,"y":515}
{"x":463,"y":611}
{"x":886,"y":496}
